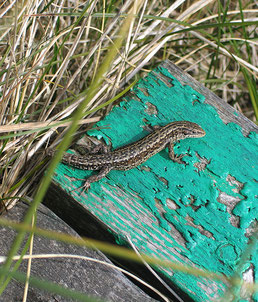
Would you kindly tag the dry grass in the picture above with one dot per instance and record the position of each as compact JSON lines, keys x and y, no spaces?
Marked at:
{"x":51,"y":53}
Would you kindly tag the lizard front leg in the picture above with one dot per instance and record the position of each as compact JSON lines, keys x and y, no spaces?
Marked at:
{"x":173,"y":156}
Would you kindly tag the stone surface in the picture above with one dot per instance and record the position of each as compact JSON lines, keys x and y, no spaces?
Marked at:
{"x":91,"y":278}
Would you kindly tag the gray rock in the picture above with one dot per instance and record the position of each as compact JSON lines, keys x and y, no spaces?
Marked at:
{"x":93,"y":279}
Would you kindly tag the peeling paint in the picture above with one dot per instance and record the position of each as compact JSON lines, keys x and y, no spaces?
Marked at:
{"x":151,"y":109}
{"x":199,"y":213}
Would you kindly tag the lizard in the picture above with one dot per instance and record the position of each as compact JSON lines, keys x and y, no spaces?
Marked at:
{"x":134,"y":154}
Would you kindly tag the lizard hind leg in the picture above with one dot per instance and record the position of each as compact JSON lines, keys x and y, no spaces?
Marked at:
{"x":93,"y":178}
{"x":91,"y":145}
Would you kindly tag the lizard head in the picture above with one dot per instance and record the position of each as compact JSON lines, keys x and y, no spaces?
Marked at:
{"x":187,"y":129}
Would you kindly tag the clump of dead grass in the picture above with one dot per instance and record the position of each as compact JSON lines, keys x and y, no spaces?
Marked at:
{"x":49,"y":55}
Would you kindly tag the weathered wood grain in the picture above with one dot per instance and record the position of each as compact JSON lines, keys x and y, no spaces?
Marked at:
{"x":226,"y":112}
{"x":200,"y":214}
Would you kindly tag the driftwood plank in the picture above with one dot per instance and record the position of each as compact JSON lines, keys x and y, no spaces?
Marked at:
{"x":202,"y":213}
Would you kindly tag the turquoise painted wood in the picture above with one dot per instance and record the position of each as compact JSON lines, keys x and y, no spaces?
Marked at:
{"x":201,"y":213}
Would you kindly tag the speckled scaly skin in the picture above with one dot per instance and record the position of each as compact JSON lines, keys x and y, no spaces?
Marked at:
{"x":136,"y":153}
